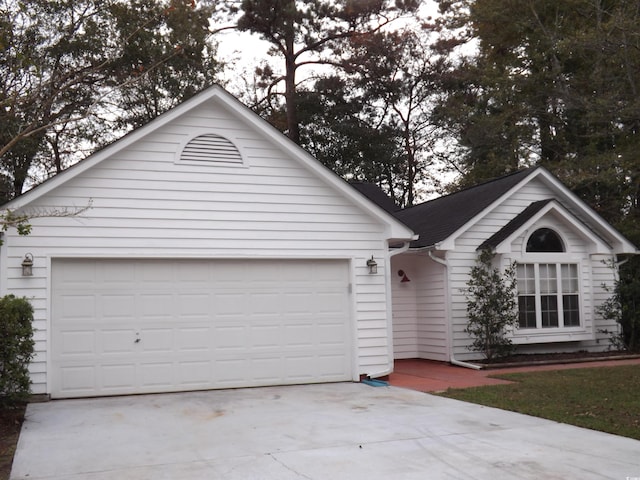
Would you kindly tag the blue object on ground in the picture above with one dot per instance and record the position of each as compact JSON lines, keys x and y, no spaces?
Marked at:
{"x":375,"y":383}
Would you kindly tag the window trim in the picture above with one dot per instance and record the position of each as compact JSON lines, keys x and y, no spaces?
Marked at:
{"x":558,"y":262}
{"x":562,"y":241}
{"x":530,"y":231}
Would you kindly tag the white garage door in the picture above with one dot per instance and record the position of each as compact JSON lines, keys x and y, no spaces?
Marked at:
{"x":142,"y":326}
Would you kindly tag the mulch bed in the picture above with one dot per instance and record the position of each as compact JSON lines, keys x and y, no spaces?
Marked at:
{"x":551,"y":358}
{"x":10,"y":423}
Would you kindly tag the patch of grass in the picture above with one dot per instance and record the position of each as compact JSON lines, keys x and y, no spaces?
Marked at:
{"x":604,"y":399}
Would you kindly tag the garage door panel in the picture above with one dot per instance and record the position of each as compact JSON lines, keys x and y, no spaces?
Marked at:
{"x":156,"y":376}
{"x":195,"y":374}
{"x":228,"y":303}
{"x":118,"y":307}
{"x":116,"y":341}
{"x":141,"y":326}
{"x":298,"y":335}
{"x":77,"y":307}
{"x":194,"y":339}
{"x":115,"y":274}
{"x":78,"y":379}
{"x":231,"y":372}
{"x":267,"y":369}
{"x":77,"y":342}
{"x":154,"y":307}
{"x":117,"y":378}
{"x":155,"y":340}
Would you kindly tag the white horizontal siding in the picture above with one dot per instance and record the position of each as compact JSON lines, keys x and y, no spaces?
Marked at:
{"x":405,"y":308}
{"x":463,"y":258}
{"x":419,"y":309}
{"x":143,"y":205}
{"x":604,"y":278}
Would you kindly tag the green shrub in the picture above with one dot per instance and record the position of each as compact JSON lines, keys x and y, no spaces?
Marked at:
{"x":16,"y":348}
{"x":623,"y":306}
{"x":492,"y":308}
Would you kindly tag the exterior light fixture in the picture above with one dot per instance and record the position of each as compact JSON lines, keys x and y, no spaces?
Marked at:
{"x":373,"y":266}
{"x":27,"y":265}
{"x":405,"y":279}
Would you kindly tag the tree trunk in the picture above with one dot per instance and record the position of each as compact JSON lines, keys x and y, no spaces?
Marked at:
{"x":293,"y":128}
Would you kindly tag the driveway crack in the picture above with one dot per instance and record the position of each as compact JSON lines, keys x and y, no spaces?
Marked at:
{"x":277,"y":460}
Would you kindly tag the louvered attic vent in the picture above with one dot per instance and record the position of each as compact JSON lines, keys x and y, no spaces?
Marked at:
{"x":211,"y":148}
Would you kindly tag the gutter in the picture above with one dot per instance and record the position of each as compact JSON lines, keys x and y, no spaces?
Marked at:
{"x":405,"y":246}
{"x":452,"y":358}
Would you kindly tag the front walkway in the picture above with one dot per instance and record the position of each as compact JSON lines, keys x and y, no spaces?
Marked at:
{"x":432,"y":376}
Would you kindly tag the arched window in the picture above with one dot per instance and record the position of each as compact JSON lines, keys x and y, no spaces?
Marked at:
{"x":544,"y":240}
{"x":548,"y":290}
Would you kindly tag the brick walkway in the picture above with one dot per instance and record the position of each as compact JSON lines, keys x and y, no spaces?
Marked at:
{"x":432,"y":376}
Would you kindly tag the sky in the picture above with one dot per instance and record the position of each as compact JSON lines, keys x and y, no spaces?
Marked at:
{"x":244,"y":51}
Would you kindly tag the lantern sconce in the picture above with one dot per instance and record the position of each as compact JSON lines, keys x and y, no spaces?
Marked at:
{"x":405,"y":279}
{"x":27,"y":265}
{"x":373,"y":266}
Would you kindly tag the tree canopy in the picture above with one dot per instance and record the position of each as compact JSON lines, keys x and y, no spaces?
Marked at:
{"x":375,"y":89}
{"x":312,"y":32}
{"x":74,"y":71}
{"x":555,"y":84}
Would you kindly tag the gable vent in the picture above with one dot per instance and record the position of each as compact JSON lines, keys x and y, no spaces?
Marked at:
{"x":211,"y":148}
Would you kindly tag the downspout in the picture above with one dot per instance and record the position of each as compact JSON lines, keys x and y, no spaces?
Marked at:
{"x":402,"y":249}
{"x":452,"y":358}
{"x":390,"y":253}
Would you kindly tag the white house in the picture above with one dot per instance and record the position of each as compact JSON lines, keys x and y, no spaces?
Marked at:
{"x":564,"y":253}
{"x":215,"y":253}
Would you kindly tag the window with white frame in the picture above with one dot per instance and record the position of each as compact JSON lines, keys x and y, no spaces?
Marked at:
{"x":548,"y":292}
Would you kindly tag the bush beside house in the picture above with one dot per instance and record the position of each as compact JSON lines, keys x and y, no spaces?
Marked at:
{"x":16,"y":349}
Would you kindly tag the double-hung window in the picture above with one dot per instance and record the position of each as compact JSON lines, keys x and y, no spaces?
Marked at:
{"x":548,"y":292}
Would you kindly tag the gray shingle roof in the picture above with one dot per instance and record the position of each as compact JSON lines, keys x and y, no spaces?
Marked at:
{"x":437,"y":219}
{"x":502,"y":234}
{"x":374,"y":193}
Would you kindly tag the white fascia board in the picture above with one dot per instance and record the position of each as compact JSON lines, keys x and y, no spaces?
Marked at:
{"x":570,"y":220}
{"x":619,"y":243}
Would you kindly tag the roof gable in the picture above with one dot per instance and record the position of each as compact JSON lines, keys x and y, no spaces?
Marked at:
{"x":439,"y":222}
{"x":501,"y":240}
{"x":395,"y":230}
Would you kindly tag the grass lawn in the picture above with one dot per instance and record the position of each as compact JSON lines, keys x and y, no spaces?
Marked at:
{"x":605,"y":399}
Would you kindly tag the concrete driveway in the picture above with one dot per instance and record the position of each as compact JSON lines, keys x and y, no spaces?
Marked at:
{"x":330,"y":431}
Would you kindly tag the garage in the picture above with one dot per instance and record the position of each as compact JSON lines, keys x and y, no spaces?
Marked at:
{"x":126,"y":326}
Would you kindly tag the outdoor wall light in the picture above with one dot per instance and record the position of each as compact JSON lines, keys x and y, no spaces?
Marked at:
{"x":27,"y":265}
{"x":405,"y":279}
{"x":373,"y":266}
